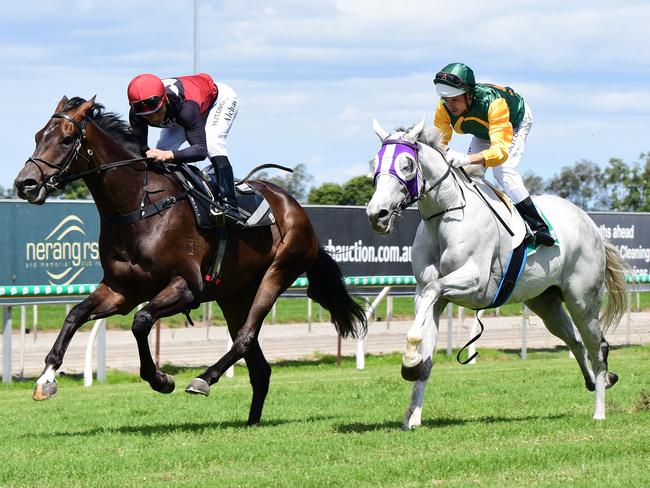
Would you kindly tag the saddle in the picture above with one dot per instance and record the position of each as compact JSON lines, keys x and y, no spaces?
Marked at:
{"x":201,"y":189}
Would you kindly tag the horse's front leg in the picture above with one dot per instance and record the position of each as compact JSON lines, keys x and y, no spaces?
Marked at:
{"x":426,"y":349}
{"x":174,"y":298}
{"x":458,"y":284}
{"x":101,"y":303}
{"x":412,"y":361}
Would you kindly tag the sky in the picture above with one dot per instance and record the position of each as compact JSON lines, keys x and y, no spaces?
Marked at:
{"x":311,"y":75}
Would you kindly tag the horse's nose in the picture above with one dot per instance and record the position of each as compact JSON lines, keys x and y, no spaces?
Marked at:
{"x":26,"y":187}
{"x":382,"y":214}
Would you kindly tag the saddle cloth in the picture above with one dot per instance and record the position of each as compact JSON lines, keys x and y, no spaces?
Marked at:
{"x":201,"y":188}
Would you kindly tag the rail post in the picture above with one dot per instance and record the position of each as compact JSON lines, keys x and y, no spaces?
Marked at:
{"x":6,"y":344}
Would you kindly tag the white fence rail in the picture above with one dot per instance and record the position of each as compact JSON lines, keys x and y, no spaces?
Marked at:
{"x":22,"y":296}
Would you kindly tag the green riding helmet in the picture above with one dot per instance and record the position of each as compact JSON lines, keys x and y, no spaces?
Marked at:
{"x":454,"y":79}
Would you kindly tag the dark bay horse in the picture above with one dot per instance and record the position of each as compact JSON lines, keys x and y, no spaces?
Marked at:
{"x":163,"y":258}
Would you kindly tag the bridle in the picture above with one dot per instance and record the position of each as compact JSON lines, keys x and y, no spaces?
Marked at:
{"x":60,"y":179}
{"x":415,"y":194}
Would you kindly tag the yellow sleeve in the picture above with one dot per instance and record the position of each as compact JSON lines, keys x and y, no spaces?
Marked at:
{"x":500,"y":133}
{"x":442,"y":122}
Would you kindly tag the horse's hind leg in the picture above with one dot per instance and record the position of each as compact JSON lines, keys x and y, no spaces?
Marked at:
{"x":548,"y":306}
{"x":584,"y":309}
{"x":253,"y":311}
{"x":259,"y":370}
{"x":171,"y":300}
{"x":259,"y":373}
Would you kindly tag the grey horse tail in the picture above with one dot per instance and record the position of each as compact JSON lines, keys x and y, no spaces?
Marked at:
{"x":617,"y":300}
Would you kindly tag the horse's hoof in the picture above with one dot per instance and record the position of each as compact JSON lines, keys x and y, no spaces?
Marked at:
{"x":413,"y":373}
{"x":590,"y":385}
{"x":44,"y":391}
{"x":198,"y":386}
{"x":612,"y":378}
{"x":166,"y":385}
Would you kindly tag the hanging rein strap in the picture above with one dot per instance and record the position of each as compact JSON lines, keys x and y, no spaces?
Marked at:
{"x":472,"y":341}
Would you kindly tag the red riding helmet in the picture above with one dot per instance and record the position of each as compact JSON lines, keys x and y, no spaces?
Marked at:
{"x":146,"y":94}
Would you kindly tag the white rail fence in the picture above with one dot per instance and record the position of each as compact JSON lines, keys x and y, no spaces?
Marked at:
{"x":11,"y":296}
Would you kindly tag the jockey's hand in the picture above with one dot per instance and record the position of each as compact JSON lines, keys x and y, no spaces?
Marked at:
{"x":458,"y":159}
{"x":160,"y":156}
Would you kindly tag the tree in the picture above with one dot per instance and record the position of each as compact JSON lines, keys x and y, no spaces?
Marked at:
{"x":581,"y":184}
{"x":358,"y":191}
{"x":8,"y":192}
{"x":326,"y":194}
{"x":355,"y":191}
{"x":77,"y":190}
{"x":295,"y":183}
{"x":533,"y":183}
{"x":628,"y":186}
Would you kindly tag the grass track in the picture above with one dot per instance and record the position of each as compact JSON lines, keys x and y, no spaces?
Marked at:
{"x":502,"y":422}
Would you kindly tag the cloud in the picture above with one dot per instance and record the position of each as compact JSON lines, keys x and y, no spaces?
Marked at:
{"x":311,"y":75}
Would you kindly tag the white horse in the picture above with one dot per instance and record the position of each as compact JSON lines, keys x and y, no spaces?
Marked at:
{"x":460,"y":252}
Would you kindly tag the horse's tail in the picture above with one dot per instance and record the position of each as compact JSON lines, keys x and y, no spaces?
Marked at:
{"x":326,"y":287}
{"x":617,"y":301}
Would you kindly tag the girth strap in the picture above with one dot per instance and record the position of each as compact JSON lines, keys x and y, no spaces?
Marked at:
{"x":507,"y":284}
{"x":146,"y":211}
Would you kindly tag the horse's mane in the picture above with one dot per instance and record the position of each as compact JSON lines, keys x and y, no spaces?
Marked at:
{"x":430,"y":136}
{"x":110,"y":123}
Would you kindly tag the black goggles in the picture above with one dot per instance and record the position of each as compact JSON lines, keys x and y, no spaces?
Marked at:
{"x":146,"y":105}
{"x":450,"y":79}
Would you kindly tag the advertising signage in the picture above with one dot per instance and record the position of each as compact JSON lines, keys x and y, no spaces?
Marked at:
{"x":56,"y":243}
{"x":630,"y":233}
{"x":50,"y":244}
{"x":346,"y":234}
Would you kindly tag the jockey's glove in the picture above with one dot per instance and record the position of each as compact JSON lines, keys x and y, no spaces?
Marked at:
{"x":457,"y":159}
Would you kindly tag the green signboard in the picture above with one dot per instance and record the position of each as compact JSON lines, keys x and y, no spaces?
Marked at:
{"x":54,"y":243}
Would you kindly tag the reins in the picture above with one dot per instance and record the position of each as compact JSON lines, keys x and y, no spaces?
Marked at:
{"x":427,"y":187}
{"x":61,"y":179}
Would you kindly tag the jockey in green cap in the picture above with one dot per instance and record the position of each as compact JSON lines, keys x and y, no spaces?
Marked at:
{"x":500,"y":121}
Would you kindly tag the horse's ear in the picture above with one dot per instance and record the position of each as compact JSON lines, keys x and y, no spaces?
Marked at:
{"x":61,"y":104}
{"x":379,"y":130}
{"x":85,"y":107}
{"x":415,"y":131}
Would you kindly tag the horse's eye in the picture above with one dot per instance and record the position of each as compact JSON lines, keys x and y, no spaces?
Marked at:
{"x":67,"y":140}
{"x":405,"y":166}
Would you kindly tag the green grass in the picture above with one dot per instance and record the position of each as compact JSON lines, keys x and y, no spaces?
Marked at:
{"x":502,"y":422}
{"x":288,"y":310}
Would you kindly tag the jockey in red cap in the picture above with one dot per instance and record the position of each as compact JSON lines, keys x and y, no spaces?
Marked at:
{"x":187,"y":108}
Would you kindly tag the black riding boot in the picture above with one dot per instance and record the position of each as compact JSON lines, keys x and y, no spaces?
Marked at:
{"x":535,"y":222}
{"x":226,"y":186}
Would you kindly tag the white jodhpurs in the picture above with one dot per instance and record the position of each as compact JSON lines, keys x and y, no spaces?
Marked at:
{"x":506,"y":173}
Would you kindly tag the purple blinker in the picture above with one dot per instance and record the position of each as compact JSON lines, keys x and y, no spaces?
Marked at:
{"x":387,"y":157}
